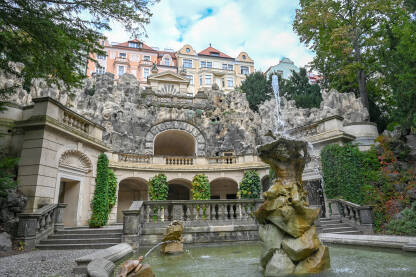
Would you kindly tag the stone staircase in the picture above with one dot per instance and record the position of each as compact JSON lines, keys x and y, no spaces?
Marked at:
{"x":335,"y":226}
{"x":82,"y":238}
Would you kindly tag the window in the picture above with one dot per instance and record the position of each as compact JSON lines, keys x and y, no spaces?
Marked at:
{"x":120,"y":70}
{"x":101,"y":57}
{"x":166,"y":61}
{"x":230,"y":82}
{"x":215,"y":54}
{"x":146,"y":58}
{"x":190,"y":78}
{"x":227,"y":66}
{"x":205,"y":64}
{"x":146,"y":72}
{"x":208,"y":79}
{"x":223,"y":82}
{"x":122,"y":55}
{"x":245,"y":70}
{"x":200,"y":80}
{"x":100,"y":70}
{"x":187,"y":63}
{"x":133,"y":44}
{"x":187,"y":50}
{"x":224,"y":66}
{"x":230,"y":67}
{"x":244,"y":57}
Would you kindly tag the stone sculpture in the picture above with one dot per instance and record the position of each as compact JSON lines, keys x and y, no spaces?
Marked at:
{"x":290,"y":241}
{"x":173,"y":233}
{"x":134,"y":268}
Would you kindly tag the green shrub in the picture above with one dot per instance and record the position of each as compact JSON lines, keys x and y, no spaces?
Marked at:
{"x":99,"y":203}
{"x":406,"y":224}
{"x":250,"y":186}
{"x":158,"y":187}
{"x":201,"y":189}
{"x":112,"y":189}
{"x":7,"y":174}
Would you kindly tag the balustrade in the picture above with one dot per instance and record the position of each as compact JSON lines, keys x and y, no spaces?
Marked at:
{"x":360,"y":217}
{"x":75,"y":122}
{"x":179,"y":160}
{"x":223,"y":160}
{"x":36,"y":226}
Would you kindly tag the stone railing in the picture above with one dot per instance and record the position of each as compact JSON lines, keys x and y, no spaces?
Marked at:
{"x":36,"y":226}
{"x":179,"y":160}
{"x":223,"y":160}
{"x":76,"y":122}
{"x":134,"y":158}
{"x":360,"y":217}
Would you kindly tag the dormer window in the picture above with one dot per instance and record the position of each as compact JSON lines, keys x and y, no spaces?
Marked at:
{"x":133,"y":44}
{"x":187,"y":50}
{"x":166,"y":61}
{"x":215,"y":54}
{"x":244,"y":57}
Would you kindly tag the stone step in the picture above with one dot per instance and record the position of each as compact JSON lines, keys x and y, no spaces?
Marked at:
{"x":74,"y":246}
{"x":352,"y":232}
{"x":332,"y":221}
{"x":337,"y":229}
{"x":84,"y":236}
{"x":334,"y":225}
{"x":89,"y":231}
{"x":81,"y":241}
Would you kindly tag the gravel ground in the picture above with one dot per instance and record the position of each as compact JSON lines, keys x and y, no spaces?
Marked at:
{"x":40,"y":263}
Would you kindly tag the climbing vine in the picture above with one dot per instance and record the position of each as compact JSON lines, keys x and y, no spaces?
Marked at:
{"x":100,"y":207}
{"x":158,"y":187}
{"x":250,"y":186}
{"x":201,"y":189}
{"x":112,"y":189}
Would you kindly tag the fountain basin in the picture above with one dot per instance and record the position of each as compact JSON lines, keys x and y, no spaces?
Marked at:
{"x":242,"y":259}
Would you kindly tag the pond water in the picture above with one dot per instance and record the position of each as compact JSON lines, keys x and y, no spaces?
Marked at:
{"x":243,"y":260}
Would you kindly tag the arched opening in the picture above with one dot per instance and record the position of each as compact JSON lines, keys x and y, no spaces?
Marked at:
{"x":265,"y":183}
{"x":179,"y":189}
{"x":174,"y":143}
{"x":224,"y":188}
{"x":129,"y":190}
{"x":69,"y":193}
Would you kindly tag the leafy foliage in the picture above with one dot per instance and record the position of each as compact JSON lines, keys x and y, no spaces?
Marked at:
{"x":100,"y":203}
{"x":54,"y":38}
{"x":346,"y":169}
{"x":257,"y":89}
{"x":201,"y":188}
{"x":406,"y":224}
{"x":112,"y":189}
{"x":7,"y":173}
{"x":250,"y":186}
{"x":158,"y":187}
{"x":298,"y":88}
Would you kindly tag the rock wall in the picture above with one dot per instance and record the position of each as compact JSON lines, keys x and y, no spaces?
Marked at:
{"x":225,"y":119}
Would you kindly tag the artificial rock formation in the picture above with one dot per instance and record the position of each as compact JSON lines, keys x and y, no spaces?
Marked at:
{"x":174,"y":236}
{"x":290,"y":241}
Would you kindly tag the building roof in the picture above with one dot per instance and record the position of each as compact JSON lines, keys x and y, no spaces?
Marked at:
{"x":208,"y":52}
{"x":126,"y":44}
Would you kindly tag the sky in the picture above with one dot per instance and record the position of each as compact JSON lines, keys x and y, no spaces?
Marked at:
{"x":262,"y":28}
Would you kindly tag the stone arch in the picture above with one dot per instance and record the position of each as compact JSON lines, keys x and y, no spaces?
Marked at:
{"x":174,"y":143}
{"x":130,"y":189}
{"x":76,"y":160}
{"x":224,"y":188}
{"x":175,"y":125}
{"x":180,"y":189}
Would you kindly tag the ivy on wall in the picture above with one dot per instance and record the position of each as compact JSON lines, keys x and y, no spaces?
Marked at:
{"x":112,"y":189}
{"x":201,"y":188}
{"x":346,"y":170}
{"x":250,"y":186}
{"x":99,"y":204}
{"x":158,"y":187}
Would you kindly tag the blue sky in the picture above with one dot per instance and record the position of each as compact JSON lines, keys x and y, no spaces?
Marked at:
{"x":262,"y":28}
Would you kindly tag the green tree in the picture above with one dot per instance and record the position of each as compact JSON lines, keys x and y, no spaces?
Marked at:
{"x":257,"y":89}
{"x":298,"y":88}
{"x":7,"y":173}
{"x":201,"y":189}
{"x":158,"y":187}
{"x":345,"y":36}
{"x":54,"y":38}
{"x":100,"y":206}
{"x":250,"y":186}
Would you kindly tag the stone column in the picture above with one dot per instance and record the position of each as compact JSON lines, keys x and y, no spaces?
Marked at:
{"x":26,"y":230}
{"x":59,"y":219}
{"x":132,"y":227}
{"x":366,"y":220}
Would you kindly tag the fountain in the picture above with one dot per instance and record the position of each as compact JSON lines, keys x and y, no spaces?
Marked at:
{"x":287,"y":231}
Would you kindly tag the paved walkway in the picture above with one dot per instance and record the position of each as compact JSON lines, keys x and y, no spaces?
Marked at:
{"x":41,"y":263}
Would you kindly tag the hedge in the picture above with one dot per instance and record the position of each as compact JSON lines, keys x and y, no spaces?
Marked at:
{"x":158,"y":187}
{"x":250,"y":186}
{"x":201,"y":189}
{"x":100,"y":207}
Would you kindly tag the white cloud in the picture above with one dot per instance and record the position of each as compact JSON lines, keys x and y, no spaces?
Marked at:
{"x":262,"y":28}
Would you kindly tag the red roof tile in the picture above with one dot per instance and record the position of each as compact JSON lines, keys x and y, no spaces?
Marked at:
{"x":209,"y":50}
